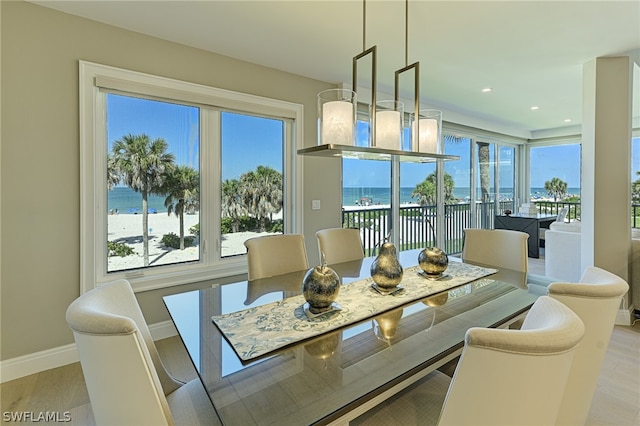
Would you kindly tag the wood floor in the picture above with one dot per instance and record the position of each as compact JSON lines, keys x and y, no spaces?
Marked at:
{"x":616,"y":401}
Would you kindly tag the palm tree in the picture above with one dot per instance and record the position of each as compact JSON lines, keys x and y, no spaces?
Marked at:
{"x":556,"y":187}
{"x":485,"y":181}
{"x":425,"y":191}
{"x":142,"y":164}
{"x":635,"y":190}
{"x":181,"y":189}
{"x":113,"y":178}
{"x":262,"y":194}
{"x":232,"y":206}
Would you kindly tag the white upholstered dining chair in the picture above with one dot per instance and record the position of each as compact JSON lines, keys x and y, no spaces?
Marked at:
{"x":504,"y":376}
{"x":596,"y":300}
{"x":339,"y":245}
{"x":125,"y":377}
{"x":272,"y":255}
{"x":501,"y":248}
{"x":515,"y":377}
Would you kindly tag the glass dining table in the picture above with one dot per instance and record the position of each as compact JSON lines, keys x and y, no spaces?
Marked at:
{"x":332,"y":377}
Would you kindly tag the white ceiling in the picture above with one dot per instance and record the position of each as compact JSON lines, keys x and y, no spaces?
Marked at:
{"x":529,"y":52}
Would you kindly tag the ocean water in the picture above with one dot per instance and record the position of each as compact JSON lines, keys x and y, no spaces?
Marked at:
{"x":127,"y":201}
{"x":373,"y":195}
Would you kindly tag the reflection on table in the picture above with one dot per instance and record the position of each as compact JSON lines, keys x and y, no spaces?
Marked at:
{"x":322,"y":379}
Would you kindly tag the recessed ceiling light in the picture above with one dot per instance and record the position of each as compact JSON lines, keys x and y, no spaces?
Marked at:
{"x":567,"y":120}
{"x":487,"y":89}
{"x":535,"y":107}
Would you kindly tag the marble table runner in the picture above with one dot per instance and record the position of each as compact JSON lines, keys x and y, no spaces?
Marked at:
{"x":258,"y":331}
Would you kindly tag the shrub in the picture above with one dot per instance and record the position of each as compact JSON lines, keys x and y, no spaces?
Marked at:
{"x":225,"y":225}
{"x":119,"y":249}
{"x":245,"y":223}
{"x":173,"y":241}
{"x":276,"y":226}
{"x":195,"y":230}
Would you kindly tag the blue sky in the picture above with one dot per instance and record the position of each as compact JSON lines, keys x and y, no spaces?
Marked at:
{"x":561,"y":161}
{"x":178,"y":125}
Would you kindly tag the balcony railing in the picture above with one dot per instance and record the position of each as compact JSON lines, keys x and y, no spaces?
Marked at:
{"x":415,"y":231}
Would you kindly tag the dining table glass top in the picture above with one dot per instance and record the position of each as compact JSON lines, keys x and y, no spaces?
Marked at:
{"x":320,"y":379}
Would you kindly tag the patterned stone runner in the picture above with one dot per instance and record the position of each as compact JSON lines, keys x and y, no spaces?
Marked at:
{"x":258,"y":331}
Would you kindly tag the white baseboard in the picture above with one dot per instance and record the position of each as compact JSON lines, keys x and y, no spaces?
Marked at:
{"x":625,"y":316}
{"x":26,"y":365}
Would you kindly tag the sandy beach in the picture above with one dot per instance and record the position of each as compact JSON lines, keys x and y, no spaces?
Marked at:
{"x":127,"y":228}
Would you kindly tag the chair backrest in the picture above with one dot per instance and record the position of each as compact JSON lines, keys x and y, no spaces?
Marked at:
{"x":514,"y":377}
{"x":596,"y":300}
{"x":501,"y":248}
{"x":339,"y":245}
{"x":125,"y":378}
{"x":275,"y":255}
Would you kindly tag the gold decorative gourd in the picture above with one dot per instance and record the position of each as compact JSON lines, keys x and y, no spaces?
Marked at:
{"x":386,"y":270}
{"x":320,"y":288}
{"x":433,"y":261}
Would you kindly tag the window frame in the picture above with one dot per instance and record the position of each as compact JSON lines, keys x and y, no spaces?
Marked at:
{"x":546,"y":143}
{"x":94,"y":79}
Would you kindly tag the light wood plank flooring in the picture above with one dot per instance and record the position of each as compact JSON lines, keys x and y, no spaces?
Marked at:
{"x":616,"y":401}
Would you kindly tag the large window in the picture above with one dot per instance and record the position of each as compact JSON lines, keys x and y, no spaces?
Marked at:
{"x":153,"y":182}
{"x":176,"y":176}
{"x":554,"y":172}
{"x":495,"y":181}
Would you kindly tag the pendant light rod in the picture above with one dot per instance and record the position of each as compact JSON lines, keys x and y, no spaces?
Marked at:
{"x":364,"y":25}
{"x":406,"y":33}
{"x":373,"y":51}
{"x":416,"y":70}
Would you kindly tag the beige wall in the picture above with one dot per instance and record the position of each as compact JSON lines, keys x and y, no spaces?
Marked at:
{"x":40,"y":196}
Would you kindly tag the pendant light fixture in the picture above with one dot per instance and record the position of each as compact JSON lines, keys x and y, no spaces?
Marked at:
{"x":429,"y":131}
{"x":389,"y":116}
{"x":416,"y":72}
{"x":426,"y":125}
{"x":373,"y":51}
{"x":337,"y":117}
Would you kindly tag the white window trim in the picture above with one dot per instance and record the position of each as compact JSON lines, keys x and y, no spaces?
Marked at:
{"x":93,"y":219}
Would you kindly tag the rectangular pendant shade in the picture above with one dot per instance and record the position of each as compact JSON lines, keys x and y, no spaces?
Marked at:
{"x":429,"y":132}
{"x":388,"y":124}
{"x":336,"y":120}
{"x":388,"y":130}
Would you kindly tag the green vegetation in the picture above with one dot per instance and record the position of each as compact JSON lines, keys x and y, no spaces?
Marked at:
{"x":173,"y":241}
{"x":556,"y":187}
{"x":145,"y":166}
{"x":118,"y":249}
{"x":141,"y":164}
{"x":258,"y":193}
{"x":426,"y":191}
{"x":181,"y":187}
{"x":635,"y":190}
{"x":369,"y":219}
